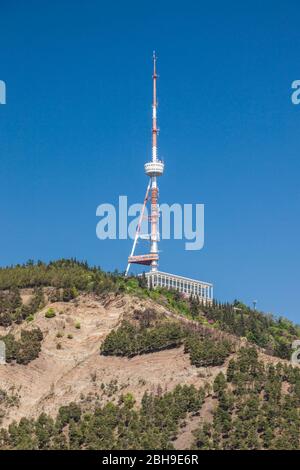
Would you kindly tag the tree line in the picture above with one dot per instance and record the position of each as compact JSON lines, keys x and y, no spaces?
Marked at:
{"x":122,"y":425}
{"x":131,"y":339}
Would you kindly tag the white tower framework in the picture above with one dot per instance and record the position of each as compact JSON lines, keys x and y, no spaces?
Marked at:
{"x":153,"y":169}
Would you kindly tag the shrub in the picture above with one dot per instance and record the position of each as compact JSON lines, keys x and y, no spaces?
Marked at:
{"x":29,"y":346}
{"x":77,"y":325}
{"x":71,"y":412}
{"x":69,"y":293}
{"x":50,"y":313}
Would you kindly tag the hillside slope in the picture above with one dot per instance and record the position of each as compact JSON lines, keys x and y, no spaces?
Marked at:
{"x":70,"y":368}
{"x":59,"y":376}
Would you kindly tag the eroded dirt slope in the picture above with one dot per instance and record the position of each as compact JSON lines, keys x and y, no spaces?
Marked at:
{"x":75,"y":371}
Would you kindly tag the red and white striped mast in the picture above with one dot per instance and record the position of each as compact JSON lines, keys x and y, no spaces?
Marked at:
{"x":154,"y":189}
{"x":153,"y":169}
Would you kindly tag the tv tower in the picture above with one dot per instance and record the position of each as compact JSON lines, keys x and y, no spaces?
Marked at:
{"x":155,"y":278}
{"x":153,"y":169}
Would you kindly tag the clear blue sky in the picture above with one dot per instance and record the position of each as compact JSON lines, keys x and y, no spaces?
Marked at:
{"x":75,"y":133}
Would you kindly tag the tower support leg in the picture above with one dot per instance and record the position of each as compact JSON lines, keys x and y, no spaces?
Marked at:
{"x":138,"y":229}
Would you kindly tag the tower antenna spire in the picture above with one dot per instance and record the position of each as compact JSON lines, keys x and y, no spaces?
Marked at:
{"x":154,"y":111}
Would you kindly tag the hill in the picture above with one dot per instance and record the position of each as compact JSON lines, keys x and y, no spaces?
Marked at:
{"x":95,"y":361}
